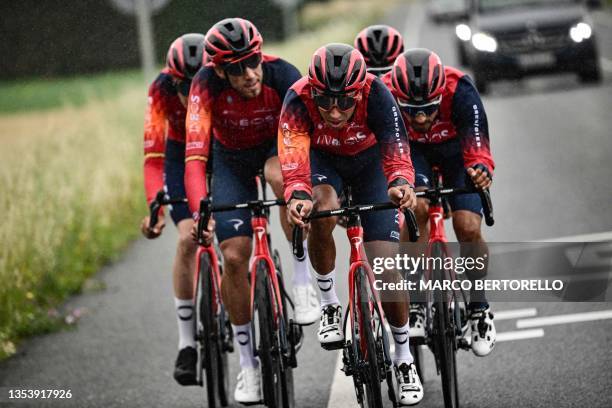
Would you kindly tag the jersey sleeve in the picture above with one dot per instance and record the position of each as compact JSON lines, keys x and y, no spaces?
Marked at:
{"x":470,"y":119}
{"x":198,"y":134}
{"x":155,"y":128}
{"x":294,"y":130}
{"x":385,"y":120}
{"x":285,"y":76}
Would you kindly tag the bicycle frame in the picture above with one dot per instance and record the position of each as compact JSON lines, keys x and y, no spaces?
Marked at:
{"x":215,"y":273}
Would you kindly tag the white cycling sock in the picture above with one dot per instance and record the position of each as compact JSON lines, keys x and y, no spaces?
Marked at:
{"x":402,"y":344}
{"x":184,"y":317}
{"x":242,"y":335}
{"x":327,"y":288}
{"x":301,"y":272}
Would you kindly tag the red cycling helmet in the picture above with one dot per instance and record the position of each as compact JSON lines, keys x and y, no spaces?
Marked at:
{"x":380,"y":46}
{"x":418,"y":76}
{"x":337,"y":69}
{"x":186,"y":56}
{"x":232,"y":40}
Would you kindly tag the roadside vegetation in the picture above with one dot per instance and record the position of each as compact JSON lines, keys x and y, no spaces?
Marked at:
{"x":71,"y":177}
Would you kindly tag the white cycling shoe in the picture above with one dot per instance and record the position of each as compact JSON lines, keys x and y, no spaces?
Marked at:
{"x":248,"y":388}
{"x":409,"y":387}
{"x":331,"y":335}
{"x":483,"y":331}
{"x":306,"y":305}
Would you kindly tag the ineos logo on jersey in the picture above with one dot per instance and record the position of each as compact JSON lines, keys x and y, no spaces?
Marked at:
{"x":327,"y":140}
{"x":236,"y":222}
{"x":320,"y":177}
{"x":359,"y":137}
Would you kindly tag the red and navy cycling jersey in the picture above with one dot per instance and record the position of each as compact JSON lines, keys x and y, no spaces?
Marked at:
{"x":376,"y":119}
{"x":165,"y":118}
{"x":217,"y":110}
{"x":461,"y":115}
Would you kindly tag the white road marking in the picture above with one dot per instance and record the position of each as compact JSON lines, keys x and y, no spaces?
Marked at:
{"x":596,"y":237}
{"x":519,"y":334}
{"x":564,"y":319}
{"x":515,"y":314}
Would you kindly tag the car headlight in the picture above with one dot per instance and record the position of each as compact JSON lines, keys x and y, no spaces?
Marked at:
{"x":463,"y":32}
{"x":580,"y":32}
{"x":484,"y":42}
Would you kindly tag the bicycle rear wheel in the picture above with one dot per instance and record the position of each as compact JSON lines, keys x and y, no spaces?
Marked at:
{"x":367,"y":347}
{"x":212,"y":359}
{"x":268,"y":350}
{"x":445,"y":342}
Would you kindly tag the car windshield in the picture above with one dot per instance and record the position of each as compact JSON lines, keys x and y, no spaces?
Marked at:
{"x":494,"y":5}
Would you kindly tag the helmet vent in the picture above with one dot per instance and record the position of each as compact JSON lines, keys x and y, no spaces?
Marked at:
{"x":337,"y":60}
{"x":192,"y":51}
{"x":417,"y":71}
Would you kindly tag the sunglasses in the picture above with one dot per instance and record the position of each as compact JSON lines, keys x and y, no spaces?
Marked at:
{"x":238,"y":68}
{"x":327,"y":102}
{"x":426,"y":109}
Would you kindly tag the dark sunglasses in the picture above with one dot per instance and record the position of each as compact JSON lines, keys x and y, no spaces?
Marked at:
{"x":183,"y":87}
{"x":327,"y":102}
{"x":238,"y":68}
{"x":426,"y":109}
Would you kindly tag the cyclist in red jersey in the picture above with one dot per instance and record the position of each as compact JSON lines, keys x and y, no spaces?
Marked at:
{"x":235,"y":103}
{"x":380,"y":45}
{"x":164,"y":167}
{"x":341,"y":126}
{"x":448,"y":127}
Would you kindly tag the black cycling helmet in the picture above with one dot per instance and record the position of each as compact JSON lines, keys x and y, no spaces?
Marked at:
{"x":337,"y":69}
{"x":232,"y":40}
{"x":380,"y":46}
{"x":186,"y":56}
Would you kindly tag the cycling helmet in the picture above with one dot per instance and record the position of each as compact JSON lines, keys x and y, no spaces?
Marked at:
{"x":380,"y":45}
{"x":232,"y":40}
{"x":186,"y":56}
{"x":337,"y":69}
{"x":418,"y":76}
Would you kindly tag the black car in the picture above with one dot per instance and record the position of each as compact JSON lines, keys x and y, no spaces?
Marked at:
{"x":515,"y":38}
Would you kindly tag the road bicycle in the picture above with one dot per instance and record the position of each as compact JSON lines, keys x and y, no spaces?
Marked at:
{"x":277,"y":339}
{"x":365,"y":353}
{"x":445,"y":311}
{"x":213,"y":332}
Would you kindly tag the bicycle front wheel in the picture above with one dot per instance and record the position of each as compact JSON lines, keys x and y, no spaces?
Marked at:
{"x":445,"y":343}
{"x":212,"y":359}
{"x":268,"y":350}
{"x":368,"y":353}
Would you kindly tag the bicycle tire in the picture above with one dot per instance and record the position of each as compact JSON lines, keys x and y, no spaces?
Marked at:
{"x":445,"y":343}
{"x":268,"y":351}
{"x":371,"y":375}
{"x":212,"y":359}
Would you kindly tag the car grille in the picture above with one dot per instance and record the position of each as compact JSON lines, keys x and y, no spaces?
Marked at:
{"x":541,"y":39}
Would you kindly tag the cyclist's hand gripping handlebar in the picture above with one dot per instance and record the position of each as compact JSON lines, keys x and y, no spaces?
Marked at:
{"x":298,"y":239}
{"x":154,"y":207}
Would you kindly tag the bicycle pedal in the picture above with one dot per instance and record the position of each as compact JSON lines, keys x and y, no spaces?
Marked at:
{"x":336,"y":345}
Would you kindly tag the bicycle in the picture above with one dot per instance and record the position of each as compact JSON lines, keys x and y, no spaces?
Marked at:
{"x":276,"y":338}
{"x":366,"y":356}
{"x":444,"y":333}
{"x":213,"y":332}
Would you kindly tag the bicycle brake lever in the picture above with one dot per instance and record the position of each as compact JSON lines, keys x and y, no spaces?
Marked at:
{"x":298,"y":239}
{"x":411,"y":224}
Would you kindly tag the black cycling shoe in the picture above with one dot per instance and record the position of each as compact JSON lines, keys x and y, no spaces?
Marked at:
{"x":185,"y":366}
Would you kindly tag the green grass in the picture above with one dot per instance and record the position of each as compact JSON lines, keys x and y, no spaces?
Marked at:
{"x":41,"y":94}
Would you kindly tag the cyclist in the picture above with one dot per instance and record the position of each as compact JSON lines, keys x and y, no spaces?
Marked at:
{"x":447,"y":126}
{"x":341,"y":125}
{"x":164,"y":166}
{"x":236,"y":101}
{"x":380,"y":45}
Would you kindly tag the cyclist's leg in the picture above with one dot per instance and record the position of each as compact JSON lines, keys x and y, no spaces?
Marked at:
{"x":467,"y":221}
{"x":183,"y":266}
{"x":306,"y":304}
{"x":322,"y":249}
{"x":233,"y":182}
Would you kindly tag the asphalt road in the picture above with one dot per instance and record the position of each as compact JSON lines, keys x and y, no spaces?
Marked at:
{"x":551,"y":141}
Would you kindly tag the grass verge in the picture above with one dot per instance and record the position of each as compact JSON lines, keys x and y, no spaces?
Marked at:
{"x":71,"y":171}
